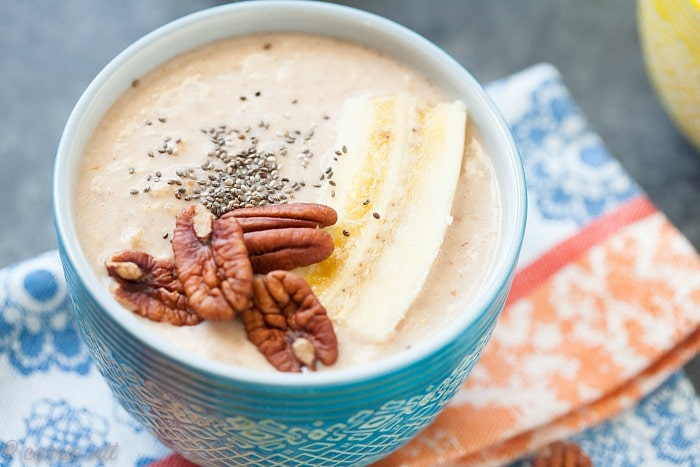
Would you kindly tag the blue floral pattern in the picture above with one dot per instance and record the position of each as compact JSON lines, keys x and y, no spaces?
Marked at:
{"x":144,"y":461}
{"x":590,"y":182}
{"x":7,"y":450}
{"x":662,"y":430}
{"x":59,"y":434}
{"x":37,"y":330}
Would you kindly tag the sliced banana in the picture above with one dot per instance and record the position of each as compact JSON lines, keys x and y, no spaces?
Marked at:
{"x":392,"y":186}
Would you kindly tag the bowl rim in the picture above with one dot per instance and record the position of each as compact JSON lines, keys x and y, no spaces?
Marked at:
{"x":513,"y":207}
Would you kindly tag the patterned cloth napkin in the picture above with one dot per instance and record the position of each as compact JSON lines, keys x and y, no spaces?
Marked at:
{"x":603,"y":313}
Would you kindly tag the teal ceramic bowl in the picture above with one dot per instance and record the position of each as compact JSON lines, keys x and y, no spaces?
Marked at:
{"x":213,"y":413}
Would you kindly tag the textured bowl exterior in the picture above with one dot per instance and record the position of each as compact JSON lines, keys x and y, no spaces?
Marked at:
{"x":212,"y":420}
{"x":213,"y":414}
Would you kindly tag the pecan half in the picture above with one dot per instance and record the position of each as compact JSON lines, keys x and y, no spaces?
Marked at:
{"x":276,"y":216}
{"x":257,"y":224}
{"x":561,"y":454}
{"x":285,"y":236}
{"x":212,"y":264}
{"x":270,"y":250}
{"x":288,"y":324}
{"x":150,"y":287}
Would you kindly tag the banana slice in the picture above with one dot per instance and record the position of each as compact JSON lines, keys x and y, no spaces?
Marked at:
{"x":392,"y":186}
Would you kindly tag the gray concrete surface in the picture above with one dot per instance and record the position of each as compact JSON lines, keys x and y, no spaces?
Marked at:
{"x":49,"y":51}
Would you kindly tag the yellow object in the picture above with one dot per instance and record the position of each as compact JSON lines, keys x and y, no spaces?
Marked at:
{"x":393,"y":187}
{"x":670,"y":38}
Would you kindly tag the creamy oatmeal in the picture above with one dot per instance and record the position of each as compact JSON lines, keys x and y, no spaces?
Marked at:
{"x":197,"y":130}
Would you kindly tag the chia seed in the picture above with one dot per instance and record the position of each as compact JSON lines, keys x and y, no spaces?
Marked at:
{"x":236,"y":176}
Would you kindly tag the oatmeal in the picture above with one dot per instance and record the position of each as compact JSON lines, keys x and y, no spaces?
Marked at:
{"x":254,"y":121}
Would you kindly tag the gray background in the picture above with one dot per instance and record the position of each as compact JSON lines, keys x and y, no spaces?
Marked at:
{"x":49,"y":52}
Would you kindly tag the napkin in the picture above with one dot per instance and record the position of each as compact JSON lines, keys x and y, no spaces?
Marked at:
{"x":603,"y":313}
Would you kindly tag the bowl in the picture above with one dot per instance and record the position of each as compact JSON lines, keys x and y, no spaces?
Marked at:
{"x":213,"y":413}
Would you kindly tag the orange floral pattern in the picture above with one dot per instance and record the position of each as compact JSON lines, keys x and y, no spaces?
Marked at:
{"x":582,"y":344}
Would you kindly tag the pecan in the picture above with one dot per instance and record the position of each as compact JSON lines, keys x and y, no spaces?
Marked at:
{"x":150,"y":287}
{"x":212,"y":264}
{"x":287,"y":249}
{"x":257,"y":224}
{"x":278,"y":216}
{"x":288,"y":324}
{"x":285,"y":236}
{"x":561,"y":454}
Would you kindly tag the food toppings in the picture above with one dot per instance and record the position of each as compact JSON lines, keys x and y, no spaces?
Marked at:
{"x":212,"y":263}
{"x":213,"y":276}
{"x":288,"y":324}
{"x":310,"y":214}
{"x":285,"y":236}
{"x":287,"y":249}
{"x":561,"y":454}
{"x":151,"y":288}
